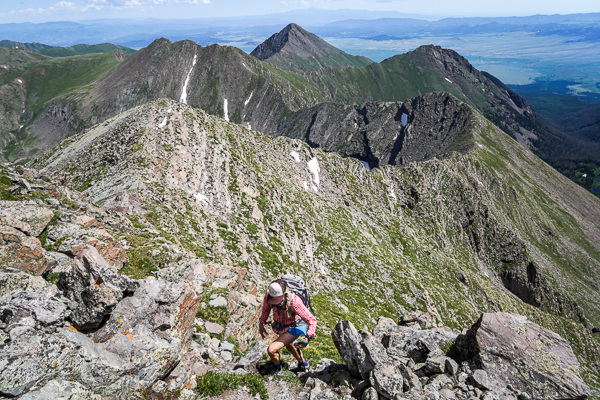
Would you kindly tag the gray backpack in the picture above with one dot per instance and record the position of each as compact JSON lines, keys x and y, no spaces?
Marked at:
{"x":297,"y":286}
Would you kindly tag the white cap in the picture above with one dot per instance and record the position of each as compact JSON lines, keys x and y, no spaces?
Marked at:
{"x":275,"y":290}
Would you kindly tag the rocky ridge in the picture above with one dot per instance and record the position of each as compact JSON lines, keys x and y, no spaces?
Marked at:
{"x":228,"y":83}
{"x":233,"y":196}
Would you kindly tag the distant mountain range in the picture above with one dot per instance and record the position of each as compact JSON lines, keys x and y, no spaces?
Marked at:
{"x":328,"y":23}
{"x":302,"y":82}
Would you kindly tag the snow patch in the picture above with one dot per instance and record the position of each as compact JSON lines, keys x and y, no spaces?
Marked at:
{"x":249,"y":97}
{"x":313,"y":167}
{"x":355,"y":125}
{"x":480,"y":145}
{"x":392,"y":194}
{"x":305,"y":185}
{"x":366,"y":164}
{"x":169,"y":111}
{"x":183,"y":98}
{"x":163,"y":123}
{"x":21,"y":127}
{"x":20,"y":81}
{"x":201,"y":198}
{"x":225,"y":112}
{"x":295,"y":156}
{"x":448,"y":80}
{"x":404,"y":119}
{"x":584,"y":175}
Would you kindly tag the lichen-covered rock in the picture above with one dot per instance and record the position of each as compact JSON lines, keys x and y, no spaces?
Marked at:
{"x":252,"y":357}
{"x":36,"y":218}
{"x":348,"y":343}
{"x":22,"y":252}
{"x":515,"y":351}
{"x":37,"y":310}
{"x":94,"y":286}
{"x":387,"y":380}
{"x":14,"y":279}
{"x":60,"y":389}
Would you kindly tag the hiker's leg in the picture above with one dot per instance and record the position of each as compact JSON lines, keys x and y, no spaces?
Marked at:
{"x":294,"y":351}
{"x":282,"y":341}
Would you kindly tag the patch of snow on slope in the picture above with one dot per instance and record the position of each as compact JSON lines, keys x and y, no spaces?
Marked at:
{"x":448,"y":80}
{"x":392,"y":194}
{"x":163,"y":123}
{"x":20,"y":81}
{"x":201,"y":198}
{"x":249,"y":97}
{"x":225,"y":112}
{"x":305,"y":185}
{"x":183,"y":98}
{"x":295,"y":155}
{"x":313,"y":167}
{"x":404,"y":119}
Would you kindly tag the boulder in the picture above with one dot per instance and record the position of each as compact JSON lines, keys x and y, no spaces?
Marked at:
{"x":95,"y":287}
{"x":370,"y":394}
{"x":348,"y":343}
{"x":22,"y":252}
{"x":36,"y":218}
{"x":60,"y":389}
{"x":252,"y":357}
{"x":32,"y":309}
{"x":387,"y":380}
{"x":514,"y":351}
{"x":14,"y":279}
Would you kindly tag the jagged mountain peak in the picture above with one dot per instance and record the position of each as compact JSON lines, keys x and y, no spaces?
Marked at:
{"x":297,"y":50}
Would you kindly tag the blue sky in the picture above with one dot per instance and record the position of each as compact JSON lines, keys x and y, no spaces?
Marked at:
{"x":75,"y":10}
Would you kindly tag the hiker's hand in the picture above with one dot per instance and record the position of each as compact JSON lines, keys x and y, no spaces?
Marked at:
{"x":262,"y":331}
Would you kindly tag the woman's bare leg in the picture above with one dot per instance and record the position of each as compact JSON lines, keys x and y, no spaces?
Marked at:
{"x":284,"y":340}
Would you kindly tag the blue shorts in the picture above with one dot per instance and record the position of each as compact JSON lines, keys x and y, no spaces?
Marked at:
{"x":298,"y":331}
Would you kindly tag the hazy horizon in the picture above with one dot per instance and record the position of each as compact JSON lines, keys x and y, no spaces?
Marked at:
{"x":39,"y":11}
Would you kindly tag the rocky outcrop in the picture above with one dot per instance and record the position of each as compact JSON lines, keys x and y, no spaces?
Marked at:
{"x":517,"y":352}
{"x":501,"y":356}
{"x":145,"y":337}
{"x":381,"y":133}
{"x":95,"y":288}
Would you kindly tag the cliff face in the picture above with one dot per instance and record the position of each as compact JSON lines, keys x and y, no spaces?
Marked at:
{"x":492,"y":229}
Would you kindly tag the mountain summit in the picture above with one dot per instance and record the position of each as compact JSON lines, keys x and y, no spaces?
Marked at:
{"x":294,"y":49}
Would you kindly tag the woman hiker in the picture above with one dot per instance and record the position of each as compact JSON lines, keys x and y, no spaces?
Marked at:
{"x":291,"y":320}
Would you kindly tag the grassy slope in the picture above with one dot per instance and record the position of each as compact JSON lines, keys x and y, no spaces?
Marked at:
{"x":77,"y":50}
{"x":364,"y":251}
{"x":47,"y":79}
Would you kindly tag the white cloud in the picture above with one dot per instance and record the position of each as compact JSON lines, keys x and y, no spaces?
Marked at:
{"x":60,"y":6}
{"x":197,"y":1}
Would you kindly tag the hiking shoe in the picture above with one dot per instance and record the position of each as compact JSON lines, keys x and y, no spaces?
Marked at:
{"x":302,"y":367}
{"x":275,"y":369}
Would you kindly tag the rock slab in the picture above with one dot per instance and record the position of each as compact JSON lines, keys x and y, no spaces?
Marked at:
{"x":514,"y":351}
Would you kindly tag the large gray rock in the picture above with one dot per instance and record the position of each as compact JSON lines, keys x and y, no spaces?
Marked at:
{"x":252,"y":357}
{"x":14,"y":279}
{"x":59,"y":389}
{"x":514,"y":351}
{"x":147,"y":335}
{"x":34,"y":218}
{"x":32,"y":309}
{"x":95,"y":287}
{"x":387,"y":380}
{"x":415,"y":343}
{"x":348,"y":343}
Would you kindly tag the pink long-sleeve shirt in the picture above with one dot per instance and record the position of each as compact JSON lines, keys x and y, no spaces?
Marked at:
{"x":298,"y":308}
